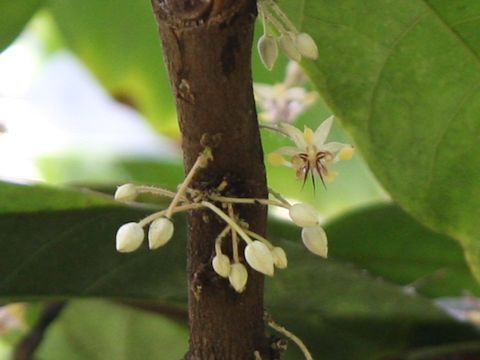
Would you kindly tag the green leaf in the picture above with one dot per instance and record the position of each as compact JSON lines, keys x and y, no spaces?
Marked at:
{"x":122,"y":334}
{"x":404,"y":76}
{"x":343,"y":313}
{"x":15,"y":14}
{"x":119,"y":42}
{"x":22,"y":198}
{"x":90,"y":170}
{"x":387,"y":242}
{"x":70,"y":253}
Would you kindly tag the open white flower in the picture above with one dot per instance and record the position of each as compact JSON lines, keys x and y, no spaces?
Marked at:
{"x":281,"y":103}
{"x":311,"y":153}
{"x":285,"y":101}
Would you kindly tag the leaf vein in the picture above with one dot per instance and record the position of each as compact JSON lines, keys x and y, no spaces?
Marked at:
{"x":384,"y":62}
{"x":465,"y":99}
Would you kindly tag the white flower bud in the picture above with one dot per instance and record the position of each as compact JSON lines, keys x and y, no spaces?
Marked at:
{"x":129,"y":237}
{"x":268,"y":50}
{"x":221,"y":265}
{"x":295,"y":76}
{"x":259,"y":257}
{"x":306,"y":46}
{"x":238,"y":277}
{"x":304,"y":215}
{"x":315,"y":240}
{"x":161,"y":230}
{"x":126,"y":192}
{"x":279,"y":257}
{"x":287,"y":44}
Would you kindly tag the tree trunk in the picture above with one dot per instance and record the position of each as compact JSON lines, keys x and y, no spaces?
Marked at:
{"x":207,"y":47}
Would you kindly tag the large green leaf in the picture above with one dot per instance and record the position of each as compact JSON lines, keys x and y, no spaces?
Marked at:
{"x":122,"y":334}
{"x":23,"y":198}
{"x":385,"y":241}
{"x":15,"y":14}
{"x":118,"y":40}
{"x":343,"y":313}
{"x":403,"y":76}
{"x":70,"y":253}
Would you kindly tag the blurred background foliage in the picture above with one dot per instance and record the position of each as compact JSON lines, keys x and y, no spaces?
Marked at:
{"x":95,"y":110}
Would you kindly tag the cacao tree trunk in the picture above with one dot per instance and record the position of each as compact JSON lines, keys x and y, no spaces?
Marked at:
{"x":207,"y":47}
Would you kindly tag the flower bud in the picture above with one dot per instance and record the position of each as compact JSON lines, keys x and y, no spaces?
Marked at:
{"x":259,"y":257}
{"x":161,"y":230}
{"x":279,"y":257}
{"x":129,"y":237}
{"x":306,"y":46}
{"x":315,"y":240}
{"x":238,"y":277}
{"x":221,"y":265}
{"x":268,"y":50}
{"x":287,"y":44}
{"x":126,"y":192}
{"x":304,"y":215}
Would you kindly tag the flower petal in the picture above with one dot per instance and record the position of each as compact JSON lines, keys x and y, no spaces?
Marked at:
{"x":334,"y":147}
{"x":296,"y":93}
{"x":289,"y":150}
{"x":322,"y":132}
{"x":295,"y":134}
{"x":263,"y":91}
{"x":295,"y":76}
{"x":346,"y":153}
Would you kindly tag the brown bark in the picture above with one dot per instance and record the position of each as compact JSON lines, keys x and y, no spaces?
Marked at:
{"x":207,"y":47}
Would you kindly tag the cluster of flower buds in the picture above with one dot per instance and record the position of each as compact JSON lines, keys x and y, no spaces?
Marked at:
{"x":259,"y":253}
{"x":280,"y":32}
{"x":130,"y":236}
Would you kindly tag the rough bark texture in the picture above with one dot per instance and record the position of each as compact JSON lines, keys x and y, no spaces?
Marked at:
{"x":207,"y":47}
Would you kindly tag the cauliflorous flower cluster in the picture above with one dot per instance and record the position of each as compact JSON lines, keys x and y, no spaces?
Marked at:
{"x":280,"y":32}
{"x":259,"y":253}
